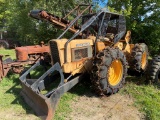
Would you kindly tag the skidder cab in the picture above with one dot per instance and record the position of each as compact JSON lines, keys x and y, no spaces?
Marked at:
{"x":95,"y":47}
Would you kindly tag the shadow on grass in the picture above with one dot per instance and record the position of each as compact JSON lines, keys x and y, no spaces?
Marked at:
{"x":83,"y":88}
{"x":16,"y":89}
{"x":139,"y":78}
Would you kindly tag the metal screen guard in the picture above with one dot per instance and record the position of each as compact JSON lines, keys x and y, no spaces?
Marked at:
{"x":55,"y":67}
{"x":84,"y":26}
{"x":121,"y":29}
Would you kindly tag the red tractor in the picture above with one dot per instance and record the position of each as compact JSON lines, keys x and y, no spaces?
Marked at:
{"x":27,"y":55}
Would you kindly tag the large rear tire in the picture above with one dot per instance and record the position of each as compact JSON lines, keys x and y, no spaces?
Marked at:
{"x":153,"y":74}
{"x":139,"y":58}
{"x":109,"y":71}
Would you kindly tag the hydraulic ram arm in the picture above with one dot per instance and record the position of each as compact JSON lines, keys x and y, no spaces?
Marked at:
{"x":54,"y":20}
{"x":44,"y":104}
{"x":59,"y":22}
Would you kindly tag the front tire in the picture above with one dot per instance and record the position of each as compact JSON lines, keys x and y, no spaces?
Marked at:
{"x":109,"y":71}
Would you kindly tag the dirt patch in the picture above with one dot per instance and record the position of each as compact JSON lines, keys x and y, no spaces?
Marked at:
{"x":115,"y":107}
{"x":11,"y":115}
{"x":90,"y":107}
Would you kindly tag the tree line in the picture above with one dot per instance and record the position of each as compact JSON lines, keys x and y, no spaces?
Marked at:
{"x":142,"y":16}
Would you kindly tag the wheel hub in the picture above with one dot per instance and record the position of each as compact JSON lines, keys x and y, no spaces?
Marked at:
{"x":115,"y":72}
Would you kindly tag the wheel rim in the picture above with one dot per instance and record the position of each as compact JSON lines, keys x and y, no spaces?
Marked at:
{"x":144,"y":60}
{"x":115,"y":72}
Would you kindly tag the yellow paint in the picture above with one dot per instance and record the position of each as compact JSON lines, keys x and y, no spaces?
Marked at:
{"x":100,"y":46}
{"x":115,"y":72}
{"x":119,"y":45}
{"x":143,"y":61}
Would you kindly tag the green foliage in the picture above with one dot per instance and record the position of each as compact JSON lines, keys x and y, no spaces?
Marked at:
{"x":142,"y":19}
{"x":30,"y":31}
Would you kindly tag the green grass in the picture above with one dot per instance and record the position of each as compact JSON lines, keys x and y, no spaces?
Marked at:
{"x":8,"y":52}
{"x":147,"y":97}
{"x":10,"y":89}
{"x":63,"y":108}
{"x":11,"y":100}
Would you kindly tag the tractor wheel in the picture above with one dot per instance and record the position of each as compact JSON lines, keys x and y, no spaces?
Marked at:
{"x":4,"y":44}
{"x":153,"y":74}
{"x":139,"y":58}
{"x":109,"y":71}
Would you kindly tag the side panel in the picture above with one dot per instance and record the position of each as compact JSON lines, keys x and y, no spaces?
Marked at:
{"x":78,"y":51}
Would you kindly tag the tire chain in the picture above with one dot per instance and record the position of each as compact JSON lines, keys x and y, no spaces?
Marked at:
{"x":95,"y":77}
{"x":153,"y":71}
{"x":137,"y":51}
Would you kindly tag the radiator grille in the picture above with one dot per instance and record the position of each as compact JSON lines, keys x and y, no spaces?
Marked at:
{"x":54,"y":52}
{"x":79,"y":53}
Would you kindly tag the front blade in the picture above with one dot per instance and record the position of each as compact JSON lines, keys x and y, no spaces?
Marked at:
{"x":39,"y":103}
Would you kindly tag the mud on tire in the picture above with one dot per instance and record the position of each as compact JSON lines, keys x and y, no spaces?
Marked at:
{"x":153,"y":72}
{"x":139,"y":58}
{"x":110,"y":59}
